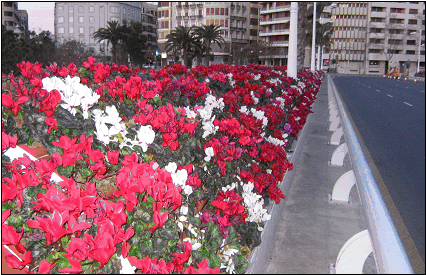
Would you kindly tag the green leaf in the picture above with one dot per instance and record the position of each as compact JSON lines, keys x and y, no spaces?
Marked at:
{"x":241,"y":263}
{"x":213,"y":237}
{"x":66,"y":171}
{"x":86,"y":172}
{"x":214,"y":261}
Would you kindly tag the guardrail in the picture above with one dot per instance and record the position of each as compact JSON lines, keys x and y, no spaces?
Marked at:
{"x":386,"y":245}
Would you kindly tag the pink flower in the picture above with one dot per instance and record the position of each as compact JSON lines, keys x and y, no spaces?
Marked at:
{"x":113,"y":157}
{"x":8,"y":141}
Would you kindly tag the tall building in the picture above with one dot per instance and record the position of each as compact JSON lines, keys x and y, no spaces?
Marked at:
{"x":14,"y":19}
{"x":395,"y":35}
{"x":348,"y":49}
{"x":79,"y":20}
{"x":374,"y":37}
{"x":235,"y":19}
{"x":149,"y":22}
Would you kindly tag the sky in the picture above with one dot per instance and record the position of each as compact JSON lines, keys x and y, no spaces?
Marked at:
{"x":40,"y":15}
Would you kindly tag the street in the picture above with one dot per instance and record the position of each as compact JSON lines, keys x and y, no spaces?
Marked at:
{"x":390,"y":118}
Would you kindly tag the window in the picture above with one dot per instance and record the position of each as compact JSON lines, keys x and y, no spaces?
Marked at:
{"x":81,"y":9}
{"x":124,"y":11}
{"x":226,"y":23}
{"x":222,"y":23}
{"x":377,"y":19}
{"x":60,"y":8}
{"x":71,"y":19}
{"x":61,"y":30}
{"x":91,"y":19}
{"x":397,"y":10}
{"x":222,"y":11}
{"x":412,"y":21}
{"x":374,"y":51}
{"x":207,"y":11}
{"x":410,"y":52}
{"x":81,"y":19}
{"x":82,"y":40}
{"x":71,"y":9}
{"x":91,"y":30}
{"x":411,"y":42}
{"x":8,"y":13}
{"x":396,"y":31}
{"x":81,"y":30}
{"x":113,"y":18}
{"x":217,"y":11}
{"x":71,"y":29}
{"x":115,"y":9}
{"x":376,"y":30}
{"x":61,"y":19}
{"x":396,"y":21}
{"x":413,"y":11}
{"x":374,"y":63}
{"x":377,"y":9}
{"x":91,"y":9}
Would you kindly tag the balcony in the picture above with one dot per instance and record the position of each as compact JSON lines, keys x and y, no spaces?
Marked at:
{"x":200,"y":16}
{"x":378,"y":14}
{"x":274,"y":21}
{"x":274,"y":9}
{"x":275,"y":32}
{"x":199,"y":5}
{"x":282,"y":43}
{"x":193,"y":17}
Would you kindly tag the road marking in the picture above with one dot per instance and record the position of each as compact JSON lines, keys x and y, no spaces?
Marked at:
{"x":369,"y":87}
{"x":422,"y":91}
{"x":389,"y":95}
{"x":407,"y":103}
{"x":378,"y":91}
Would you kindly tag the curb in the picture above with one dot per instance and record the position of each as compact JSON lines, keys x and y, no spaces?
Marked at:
{"x":261,"y":254}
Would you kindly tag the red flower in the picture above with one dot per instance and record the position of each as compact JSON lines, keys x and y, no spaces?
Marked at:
{"x":53,"y":124}
{"x":76,"y":267}
{"x":14,"y":262}
{"x":7,"y":101}
{"x":53,"y":226}
{"x":8,"y":141}
{"x":113,"y":157}
{"x":44,"y":267}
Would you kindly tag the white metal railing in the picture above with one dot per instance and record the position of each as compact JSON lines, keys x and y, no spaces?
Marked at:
{"x":389,"y":253}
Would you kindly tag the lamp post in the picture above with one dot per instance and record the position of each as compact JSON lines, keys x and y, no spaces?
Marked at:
{"x":420,"y":44}
{"x":314,"y":30}
{"x":292,"y":47}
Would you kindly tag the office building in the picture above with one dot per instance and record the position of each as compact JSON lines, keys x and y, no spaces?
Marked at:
{"x":79,"y":20}
{"x":238,"y":21}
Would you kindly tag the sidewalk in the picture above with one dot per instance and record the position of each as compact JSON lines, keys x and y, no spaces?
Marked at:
{"x":309,"y":231}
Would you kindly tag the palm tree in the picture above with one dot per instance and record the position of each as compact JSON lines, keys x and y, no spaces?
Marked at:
{"x":209,"y":34}
{"x":182,"y":38}
{"x":301,"y":34}
{"x":112,"y":34}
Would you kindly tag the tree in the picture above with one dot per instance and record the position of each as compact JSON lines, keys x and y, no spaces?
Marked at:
{"x":301,"y":34}
{"x":134,"y":41}
{"x":10,"y":51}
{"x":112,"y":34}
{"x":209,"y":34}
{"x":67,"y":52}
{"x":183,"y":38}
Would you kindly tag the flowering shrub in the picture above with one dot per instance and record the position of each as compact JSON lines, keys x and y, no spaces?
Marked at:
{"x":161,"y":171}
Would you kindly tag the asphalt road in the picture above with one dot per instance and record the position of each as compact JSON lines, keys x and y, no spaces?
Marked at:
{"x":390,"y":118}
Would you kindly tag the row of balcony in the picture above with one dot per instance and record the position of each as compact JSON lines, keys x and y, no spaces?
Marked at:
{"x":187,"y":17}
{"x":274,"y":21}
{"x":350,"y":11}
{"x":350,"y":22}
{"x":395,"y":57}
{"x":192,"y":6}
{"x":233,"y":17}
{"x":275,"y":32}
{"x":274,"y":9}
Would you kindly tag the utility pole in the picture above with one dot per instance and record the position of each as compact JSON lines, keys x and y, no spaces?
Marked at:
{"x":292,"y":47}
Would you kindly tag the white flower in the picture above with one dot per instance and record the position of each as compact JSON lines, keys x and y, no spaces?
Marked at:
{"x":146,"y":136}
{"x":171,"y":167}
{"x":275,"y":141}
{"x":209,"y":152}
{"x":126,"y":266}
{"x":189,"y":113}
{"x":184,"y":210}
{"x":243,"y":109}
{"x":53,"y":83}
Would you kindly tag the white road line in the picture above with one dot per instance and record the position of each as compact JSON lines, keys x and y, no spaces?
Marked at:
{"x":369,"y":87}
{"x":422,"y":91}
{"x":378,"y":91}
{"x":407,"y":103}
{"x":389,"y":95}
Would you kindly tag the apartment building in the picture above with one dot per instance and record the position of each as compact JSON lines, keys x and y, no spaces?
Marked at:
{"x":79,"y":20}
{"x":395,"y":37}
{"x":238,"y":21}
{"x":14,"y":19}
{"x":149,"y":22}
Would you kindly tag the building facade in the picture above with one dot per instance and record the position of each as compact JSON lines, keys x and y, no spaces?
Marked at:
{"x":238,"y":21}
{"x":14,"y":19}
{"x":149,"y":22}
{"x":79,"y":20}
{"x":395,"y":37}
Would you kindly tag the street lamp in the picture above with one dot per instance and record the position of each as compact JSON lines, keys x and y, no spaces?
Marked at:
{"x":420,"y":44}
{"x":314,"y":20}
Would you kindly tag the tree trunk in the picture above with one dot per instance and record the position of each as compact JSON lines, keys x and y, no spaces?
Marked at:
{"x":114,"y":54}
{"x":301,"y":34}
{"x":207,"y":62}
{"x":185,"y":58}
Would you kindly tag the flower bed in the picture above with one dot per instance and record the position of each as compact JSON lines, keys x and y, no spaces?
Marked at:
{"x":161,"y":172}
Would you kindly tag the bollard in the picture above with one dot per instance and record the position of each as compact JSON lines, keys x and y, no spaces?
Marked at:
{"x":415,"y":80}
{"x":405,"y":80}
{"x":384,"y":76}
